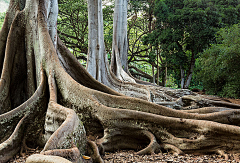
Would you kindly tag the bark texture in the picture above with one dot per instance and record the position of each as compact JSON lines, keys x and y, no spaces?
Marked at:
{"x":97,"y":65}
{"x":48,"y":99}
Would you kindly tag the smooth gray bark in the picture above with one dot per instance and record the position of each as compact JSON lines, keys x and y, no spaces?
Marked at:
{"x":96,"y":61}
{"x":119,"y":65}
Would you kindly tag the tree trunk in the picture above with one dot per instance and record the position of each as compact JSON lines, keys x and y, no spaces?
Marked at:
{"x":98,"y":65}
{"x":182,"y":77}
{"x":157,"y":68}
{"x":153,"y":74}
{"x":96,"y":51}
{"x":119,"y":64}
{"x":190,"y":71}
{"x":165,"y":75}
{"x":49,"y":100}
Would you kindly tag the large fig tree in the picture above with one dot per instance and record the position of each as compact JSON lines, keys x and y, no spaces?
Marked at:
{"x":48,"y":99}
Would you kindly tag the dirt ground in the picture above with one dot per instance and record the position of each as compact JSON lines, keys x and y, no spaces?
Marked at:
{"x":236,"y":101}
{"x":131,"y":157}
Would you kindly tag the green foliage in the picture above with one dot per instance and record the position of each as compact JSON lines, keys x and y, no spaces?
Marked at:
{"x":141,"y":22}
{"x":152,"y":57}
{"x":108,"y":26}
{"x":6,"y":1}
{"x":220,"y":64}
{"x":184,"y":28}
{"x":73,"y":25}
{"x":2,"y":16}
{"x":171,"y":82}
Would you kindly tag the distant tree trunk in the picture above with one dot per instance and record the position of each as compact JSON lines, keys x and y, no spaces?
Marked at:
{"x":182,"y":77}
{"x":96,"y":59}
{"x":97,"y":64}
{"x":119,"y":64}
{"x":190,"y":71}
{"x":165,"y":75}
{"x":153,"y":74}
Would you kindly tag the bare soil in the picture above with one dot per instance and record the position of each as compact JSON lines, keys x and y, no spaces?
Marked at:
{"x":131,"y":157}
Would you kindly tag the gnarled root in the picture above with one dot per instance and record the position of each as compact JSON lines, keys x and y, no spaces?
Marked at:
{"x":37,"y":158}
{"x":207,"y":110}
{"x":25,"y":148}
{"x":67,"y":134}
{"x":94,"y":152}
{"x":153,"y":146}
{"x":12,"y":145}
{"x":27,"y":110}
{"x":171,"y":148}
{"x":72,"y":154}
{"x":222,"y":153}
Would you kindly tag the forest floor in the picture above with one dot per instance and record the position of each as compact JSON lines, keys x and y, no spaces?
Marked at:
{"x":131,"y":157}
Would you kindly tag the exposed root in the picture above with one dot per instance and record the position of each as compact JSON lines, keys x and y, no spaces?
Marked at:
{"x":75,"y":70}
{"x":236,"y":157}
{"x":37,"y":158}
{"x":52,"y":87}
{"x":28,"y":109}
{"x":172,"y":149}
{"x":190,"y":102}
{"x":12,"y":145}
{"x":72,"y":154}
{"x":168,"y":130}
{"x":25,"y":148}
{"x":153,"y":146}
{"x":14,"y":37}
{"x":64,"y":130}
{"x":222,"y":153}
{"x":207,"y":110}
{"x":94,"y":152}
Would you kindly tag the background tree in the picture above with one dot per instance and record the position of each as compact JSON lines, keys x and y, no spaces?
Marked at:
{"x":141,"y":22}
{"x":220,"y":68}
{"x":186,"y":28}
{"x":73,"y":26}
{"x":2,"y":16}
